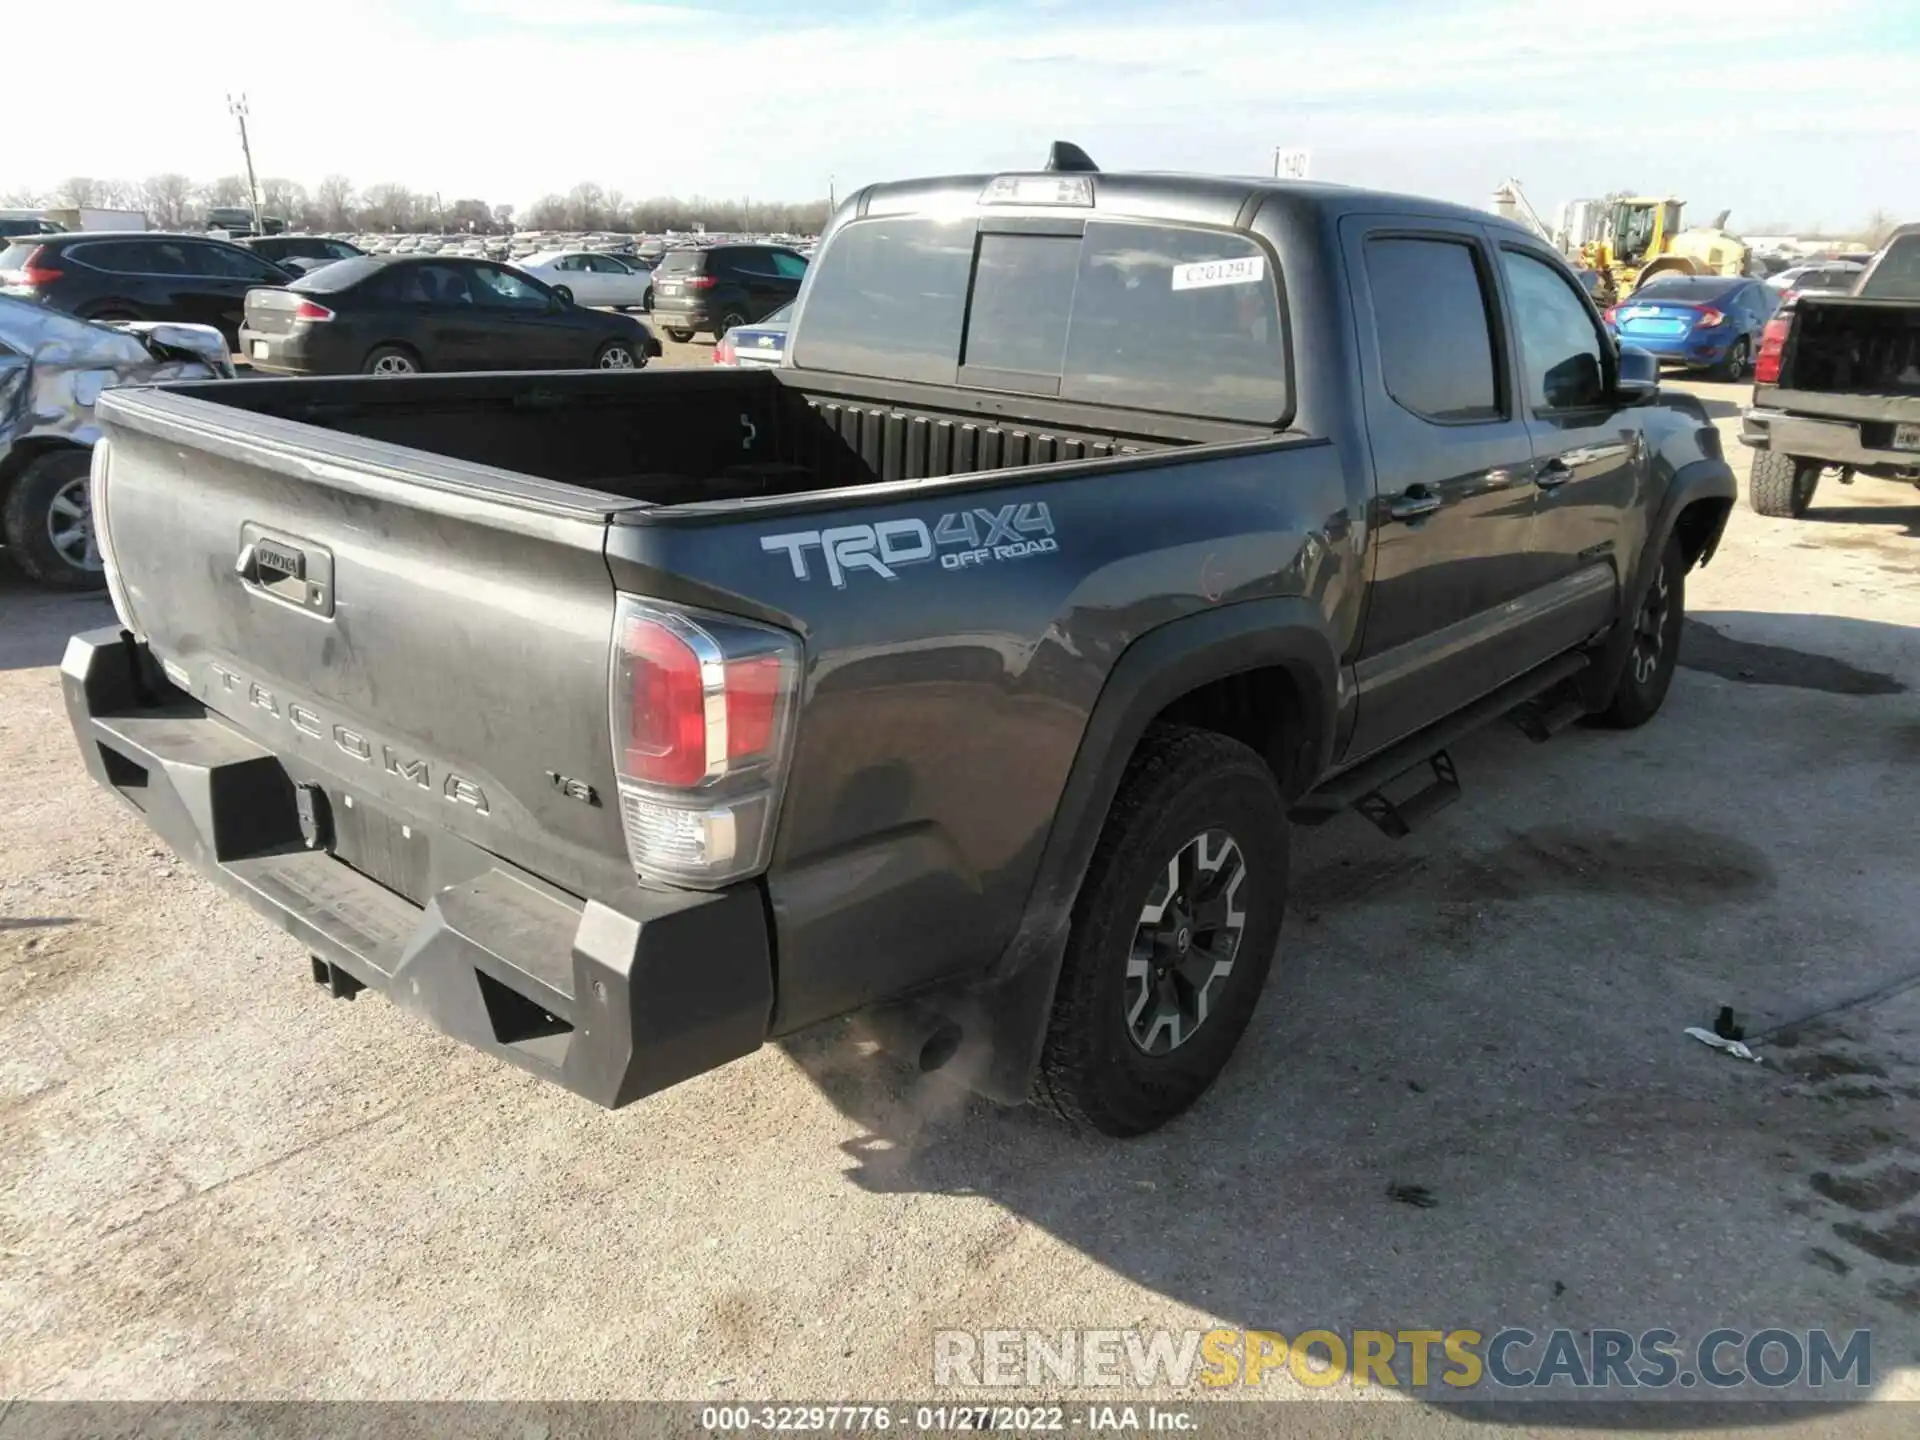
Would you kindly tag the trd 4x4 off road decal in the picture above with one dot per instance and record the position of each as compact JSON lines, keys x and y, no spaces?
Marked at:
{"x":960,"y":540}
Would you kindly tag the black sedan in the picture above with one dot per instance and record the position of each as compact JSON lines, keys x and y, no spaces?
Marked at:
{"x":399,"y":315}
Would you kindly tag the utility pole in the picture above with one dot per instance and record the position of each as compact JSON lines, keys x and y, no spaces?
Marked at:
{"x":238,"y":109}
{"x":832,"y":204}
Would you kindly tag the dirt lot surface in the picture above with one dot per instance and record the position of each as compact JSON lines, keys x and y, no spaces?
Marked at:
{"x":1466,"y":1100}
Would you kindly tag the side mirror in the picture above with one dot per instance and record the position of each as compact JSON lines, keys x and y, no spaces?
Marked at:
{"x":1639,"y":376}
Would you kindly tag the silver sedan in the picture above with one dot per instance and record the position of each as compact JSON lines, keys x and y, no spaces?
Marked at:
{"x":589,"y":277}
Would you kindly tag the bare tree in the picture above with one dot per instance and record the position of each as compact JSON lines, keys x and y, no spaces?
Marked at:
{"x":549,"y":212}
{"x":1880,"y":225}
{"x":586,"y":206}
{"x":471,"y":216}
{"x":503,"y":217}
{"x":334,"y":199}
{"x":388,"y":207}
{"x":283,"y":198}
{"x":20,"y":200}
{"x":166,"y":198}
{"x":78,"y":191}
{"x":228,"y":191}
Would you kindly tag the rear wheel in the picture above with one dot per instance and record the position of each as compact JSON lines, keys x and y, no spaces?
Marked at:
{"x":1171,"y":937}
{"x":566,"y":295}
{"x":1735,"y":365}
{"x":1644,"y":682}
{"x":49,"y":523}
{"x":1781,"y":485}
{"x":679,"y":337}
{"x":391,"y":360}
{"x":728,"y":321}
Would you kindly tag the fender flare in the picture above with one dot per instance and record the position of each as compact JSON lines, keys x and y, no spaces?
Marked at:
{"x":1704,"y":479}
{"x":1012,"y":1002}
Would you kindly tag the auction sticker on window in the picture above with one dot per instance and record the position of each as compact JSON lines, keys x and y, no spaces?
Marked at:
{"x":1205,"y":274}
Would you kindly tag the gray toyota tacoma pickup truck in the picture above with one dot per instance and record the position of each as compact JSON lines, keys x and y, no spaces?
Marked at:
{"x":1837,"y":385}
{"x":966,"y":670}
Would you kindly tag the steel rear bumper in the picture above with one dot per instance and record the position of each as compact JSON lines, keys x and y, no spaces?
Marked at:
{"x":612,"y":1003}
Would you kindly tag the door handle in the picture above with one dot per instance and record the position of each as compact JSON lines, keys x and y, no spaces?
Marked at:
{"x":1555,"y":472}
{"x":1413,"y":504}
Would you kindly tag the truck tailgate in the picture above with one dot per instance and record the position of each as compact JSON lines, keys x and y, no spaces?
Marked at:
{"x":427,"y":637}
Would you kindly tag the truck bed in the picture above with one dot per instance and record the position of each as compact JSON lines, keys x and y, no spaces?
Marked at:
{"x":673,"y":437}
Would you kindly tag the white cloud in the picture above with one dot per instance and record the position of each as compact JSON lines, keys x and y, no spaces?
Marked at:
{"x":509,"y":98}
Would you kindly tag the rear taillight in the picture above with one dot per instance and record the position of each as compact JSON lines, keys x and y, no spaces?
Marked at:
{"x":1773,"y":346}
{"x":1708,"y":318}
{"x":702,"y":712}
{"x":724,"y":353}
{"x":1787,"y":295}
{"x":32,"y":272}
{"x":1608,"y":314}
{"x":307,"y":310}
{"x":699,"y":282}
{"x":102,"y":532}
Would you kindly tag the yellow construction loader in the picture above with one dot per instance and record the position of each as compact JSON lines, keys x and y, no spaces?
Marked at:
{"x":1642,"y":238}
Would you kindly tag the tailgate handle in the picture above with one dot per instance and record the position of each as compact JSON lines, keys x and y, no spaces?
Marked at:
{"x":285,"y":570}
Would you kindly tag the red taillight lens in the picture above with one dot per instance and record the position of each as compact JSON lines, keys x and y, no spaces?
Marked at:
{"x":666,"y":739}
{"x":1709,"y":317}
{"x":1609,"y":313}
{"x":307,"y":310}
{"x":723,"y":353}
{"x":33,"y":272}
{"x":1773,"y":346}
{"x":699,"y":282}
{"x":702,"y":718}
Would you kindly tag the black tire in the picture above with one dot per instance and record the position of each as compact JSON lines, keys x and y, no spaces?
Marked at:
{"x":679,"y":337}
{"x":1782,"y":486}
{"x":391,"y":360}
{"x":1181,"y":787}
{"x":1735,"y":365}
{"x":729,"y":321}
{"x":646,"y":300}
{"x":34,"y":526}
{"x":114,"y":315}
{"x":1648,"y":673}
{"x":566,"y":295}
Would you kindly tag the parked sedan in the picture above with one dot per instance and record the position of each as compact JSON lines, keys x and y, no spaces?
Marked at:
{"x":1705,"y":322}
{"x":756,"y":346}
{"x":1828,"y":277}
{"x":399,"y":315}
{"x":590,"y":277}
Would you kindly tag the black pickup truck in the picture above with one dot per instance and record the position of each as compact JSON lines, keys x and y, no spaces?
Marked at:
{"x":1837,"y":385}
{"x":965,"y":670}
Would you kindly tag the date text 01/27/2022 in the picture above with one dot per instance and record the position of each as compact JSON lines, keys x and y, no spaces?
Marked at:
{"x":943,"y":1419}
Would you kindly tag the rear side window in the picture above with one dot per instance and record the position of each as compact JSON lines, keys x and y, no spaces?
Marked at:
{"x":123,"y":257}
{"x":887,"y":300}
{"x":234,"y":264}
{"x":1431,"y":319}
{"x":788,"y":266}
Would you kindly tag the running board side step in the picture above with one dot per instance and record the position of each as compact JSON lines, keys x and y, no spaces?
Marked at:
{"x":1363,"y":787}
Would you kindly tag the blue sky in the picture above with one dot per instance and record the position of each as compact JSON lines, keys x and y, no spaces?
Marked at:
{"x":1775,"y":109}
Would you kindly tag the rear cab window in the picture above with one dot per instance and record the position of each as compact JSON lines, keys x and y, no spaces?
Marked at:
{"x":1136,"y":314}
{"x":1896,"y":275}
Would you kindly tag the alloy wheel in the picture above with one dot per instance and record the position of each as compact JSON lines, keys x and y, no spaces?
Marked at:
{"x":70,"y":526}
{"x":1650,"y":629}
{"x":1186,"y":942}
{"x":616,"y":357}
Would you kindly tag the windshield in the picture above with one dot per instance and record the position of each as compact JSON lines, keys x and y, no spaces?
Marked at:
{"x":1897,"y":276}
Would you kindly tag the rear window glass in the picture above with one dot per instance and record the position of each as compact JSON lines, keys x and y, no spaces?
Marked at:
{"x":341,"y":275}
{"x":1686,"y":287}
{"x":14,"y":256}
{"x":682,"y":260}
{"x":887,"y":300}
{"x":1142,"y":316}
{"x":1897,"y":276}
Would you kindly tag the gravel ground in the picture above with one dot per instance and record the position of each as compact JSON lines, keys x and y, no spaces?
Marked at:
{"x":217,"y":1182}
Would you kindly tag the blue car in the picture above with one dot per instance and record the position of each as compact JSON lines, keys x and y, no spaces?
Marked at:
{"x":756,"y":346}
{"x":1704,"y":322}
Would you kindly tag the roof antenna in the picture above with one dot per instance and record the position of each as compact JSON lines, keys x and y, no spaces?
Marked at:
{"x":1069,"y":158}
